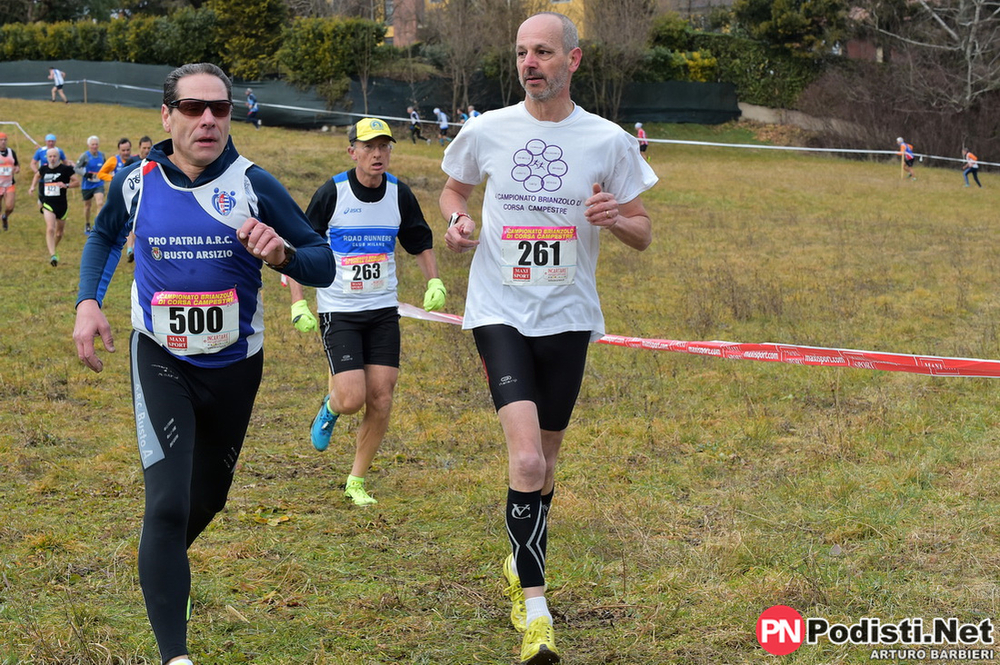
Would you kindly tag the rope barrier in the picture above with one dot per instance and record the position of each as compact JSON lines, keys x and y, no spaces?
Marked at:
{"x":744,"y":146}
{"x":755,"y":146}
{"x":791,"y":354}
{"x":18,"y":125}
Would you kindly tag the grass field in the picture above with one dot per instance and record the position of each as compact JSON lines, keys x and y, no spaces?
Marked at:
{"x":693,"y":492}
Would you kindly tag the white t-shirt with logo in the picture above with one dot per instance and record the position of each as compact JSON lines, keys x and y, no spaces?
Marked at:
{"x":535,"y":266}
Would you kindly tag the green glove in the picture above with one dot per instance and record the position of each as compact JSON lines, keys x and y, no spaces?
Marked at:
{"x":302,"y":318}
{"x":434,"y":298}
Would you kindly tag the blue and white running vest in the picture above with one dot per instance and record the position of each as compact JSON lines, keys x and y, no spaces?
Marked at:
{"x":197,"y":291}
{"x":363,"y":238}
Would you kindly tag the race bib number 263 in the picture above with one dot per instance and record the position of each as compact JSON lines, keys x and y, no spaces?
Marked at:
{"x":363,"y":273}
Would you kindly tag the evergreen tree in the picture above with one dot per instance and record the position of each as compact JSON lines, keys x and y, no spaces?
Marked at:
{"x":804,"y":27}
{"x":249,"y":34}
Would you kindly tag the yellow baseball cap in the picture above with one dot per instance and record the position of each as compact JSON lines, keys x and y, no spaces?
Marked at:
{"x":368,"y":128}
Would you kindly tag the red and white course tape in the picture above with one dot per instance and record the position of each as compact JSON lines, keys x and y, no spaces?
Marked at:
{"x":782,"y":353}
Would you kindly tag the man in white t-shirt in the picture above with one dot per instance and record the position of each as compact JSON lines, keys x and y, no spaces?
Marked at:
{"x":557,"y":178}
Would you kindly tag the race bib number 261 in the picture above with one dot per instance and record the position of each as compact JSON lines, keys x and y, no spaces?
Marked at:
{"x":538,"y":255}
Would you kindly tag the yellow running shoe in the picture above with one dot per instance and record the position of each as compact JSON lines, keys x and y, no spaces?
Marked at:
{"x":355,"y":491}
{"x":539,"y":645}
{"x":518,"y":613}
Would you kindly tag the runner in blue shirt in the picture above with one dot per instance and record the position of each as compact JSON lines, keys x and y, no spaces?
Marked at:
{"x":253,"y":108}
{"x":91,"y":187}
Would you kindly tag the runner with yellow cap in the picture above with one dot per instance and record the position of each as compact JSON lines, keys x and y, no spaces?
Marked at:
{"x":363,"y":212}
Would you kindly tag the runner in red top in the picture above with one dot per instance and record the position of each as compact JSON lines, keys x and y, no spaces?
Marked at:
{"x":640,"y":133}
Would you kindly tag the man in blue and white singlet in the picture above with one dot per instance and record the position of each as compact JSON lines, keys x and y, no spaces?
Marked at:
{"x":205,"y":220}
{"x":363,"y":212}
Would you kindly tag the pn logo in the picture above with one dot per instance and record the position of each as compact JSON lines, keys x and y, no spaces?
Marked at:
{"x":224,"y":202}
{"x":780,"y":630}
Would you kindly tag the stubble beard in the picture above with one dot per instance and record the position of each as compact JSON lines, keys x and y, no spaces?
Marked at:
{"x":555,"y":86}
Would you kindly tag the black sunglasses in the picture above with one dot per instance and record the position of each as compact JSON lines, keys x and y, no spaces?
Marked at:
{"x":221,"y":108}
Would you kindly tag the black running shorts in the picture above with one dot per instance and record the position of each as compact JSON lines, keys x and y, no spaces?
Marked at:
{"x":87,"y":194}
{"x":355,"y":339}
{"x":545,"y":370}
{"x":57,"y":207}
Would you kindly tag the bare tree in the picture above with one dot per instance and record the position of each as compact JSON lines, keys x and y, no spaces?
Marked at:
{"x":459,"y":26}
{"x":367,"y":52}
{"x":949,"y":49}
{"x":308,"y":8}
{"x":504,"y":17}
{"x":617,"y":34}
{"x":327,"y":8}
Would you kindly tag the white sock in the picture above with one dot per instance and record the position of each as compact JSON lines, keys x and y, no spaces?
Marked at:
{"x":536,"y":607}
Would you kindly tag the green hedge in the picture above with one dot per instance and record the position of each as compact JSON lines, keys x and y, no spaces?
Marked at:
{"x":313,"y":52}
{"x":762,"y":74}
{"x":324,"y":52}
{"x":663,"y":64}
{"x":160,"y":40}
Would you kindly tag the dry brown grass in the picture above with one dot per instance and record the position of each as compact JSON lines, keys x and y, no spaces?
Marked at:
{"x":693,"y":492}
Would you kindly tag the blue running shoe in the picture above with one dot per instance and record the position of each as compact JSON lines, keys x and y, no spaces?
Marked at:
{"x":322,"y":426}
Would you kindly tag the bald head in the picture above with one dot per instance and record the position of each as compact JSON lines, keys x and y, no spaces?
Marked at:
{"x":559,"y":23}
{"x":547,"y":56}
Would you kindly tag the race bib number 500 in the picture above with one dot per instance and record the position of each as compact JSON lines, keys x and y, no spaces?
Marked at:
{"x":538,"y":255}
{"x":191,"y":323}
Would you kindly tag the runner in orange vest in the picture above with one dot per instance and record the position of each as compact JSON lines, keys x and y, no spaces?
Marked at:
{"x":971,"y":166}
{"x":906,"y":153}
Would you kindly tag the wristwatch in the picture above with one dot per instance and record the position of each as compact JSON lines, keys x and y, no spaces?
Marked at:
{"x":289,"y":253}
{"x":455,"y":216}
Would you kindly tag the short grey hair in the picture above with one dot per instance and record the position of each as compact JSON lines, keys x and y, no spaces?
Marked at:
{"x":93,"y":138}
{"x":190,"y":69}
{"x":570,"y":35}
